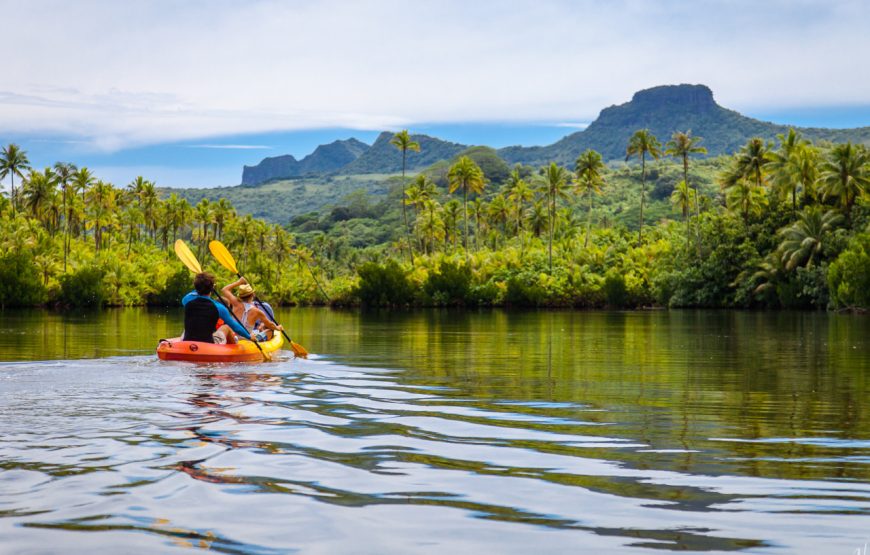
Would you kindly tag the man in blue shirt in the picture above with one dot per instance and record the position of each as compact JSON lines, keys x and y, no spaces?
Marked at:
{"x":201,"y":314}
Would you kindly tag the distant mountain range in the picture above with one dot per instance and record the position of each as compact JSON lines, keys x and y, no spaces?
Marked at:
{"x":662,"y":110}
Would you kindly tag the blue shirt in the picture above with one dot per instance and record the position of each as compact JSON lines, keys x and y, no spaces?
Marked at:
{"x":222,"y":312}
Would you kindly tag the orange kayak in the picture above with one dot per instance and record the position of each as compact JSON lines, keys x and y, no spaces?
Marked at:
{"x":195,"y":351}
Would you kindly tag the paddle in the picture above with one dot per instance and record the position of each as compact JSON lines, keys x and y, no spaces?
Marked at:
{"x":188,"y":259}
{"x":220,"y":252}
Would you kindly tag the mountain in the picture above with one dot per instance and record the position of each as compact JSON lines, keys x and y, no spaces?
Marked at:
{"x":664,"y":110}
{"x":383,"y":157}
{"x":325,"y":159}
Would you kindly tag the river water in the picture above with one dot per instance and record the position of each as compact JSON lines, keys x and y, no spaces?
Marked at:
{"x":441,"y":431}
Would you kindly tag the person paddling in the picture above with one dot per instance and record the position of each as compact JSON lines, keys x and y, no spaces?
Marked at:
{"x":244,"y":307}
{"x":201,"y":314}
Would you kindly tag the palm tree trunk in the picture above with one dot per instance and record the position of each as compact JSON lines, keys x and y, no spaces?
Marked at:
{"x":551,"y":209}
{"x":465,"y":203}
{"x":642,"y":194}
{"x":588,"y":223}
{"x":405,"y":211}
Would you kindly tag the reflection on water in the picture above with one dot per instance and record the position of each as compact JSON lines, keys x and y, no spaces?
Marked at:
{"x":426,"y":431}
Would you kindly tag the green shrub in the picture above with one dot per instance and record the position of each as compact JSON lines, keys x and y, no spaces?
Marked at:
{"x":524,"y":290}
{"x":849,"y":274}
{"x":20,"y":283}
{"x":383,"y":285}
{"x":615,"y":291}
{"x":450,"y":285}
{"x":83,"y":288}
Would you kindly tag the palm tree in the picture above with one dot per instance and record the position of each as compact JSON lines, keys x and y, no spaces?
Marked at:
{"x":519,"y":193}
{"x":403,"y":141}
{"x":744,"y":197}
{"x":681,"y":146}
{"x":589,"y":167}
{"x":65,"y":172}
{"x":478,"y":210}
{"x":803,"y":240}
{"x":102,"y":204}
{"x":682,"y":198}
{"x":130,"y":219}
{"x":204,"y":215}
{"x":555,"y":187}
{"x":498,"y":211}
{"x":451,"y":222}
{"x":83,"y":179}
{"x":845,"y":175}
{"x":13,"y":161}
{"x":539,"y":219}
{"x":432,"y":225}
{"x":783,"y":165}
{"x":466,"y":175}
{"x":641,"y":144}
{"x":223,"y":211}
{"x":37,"y":191}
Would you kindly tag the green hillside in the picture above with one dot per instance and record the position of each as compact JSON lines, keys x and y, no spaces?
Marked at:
{"x":664,"y":110}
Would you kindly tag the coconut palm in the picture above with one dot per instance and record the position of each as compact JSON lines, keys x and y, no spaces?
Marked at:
{"x":403,"y":141}
{"x":37,"y":191}
{"x":130,"y":219}
{"x":783,"y":165}
{"x":102,"y":204}
{"x":683,"y":197}
{"x":539,"y":218}
{"x":498,"y":212}
{"x":519,"y":193}
{"x":223,"y":212}
{"x":590,"y":178}
{"x":641,"y":144}
{"x":555,"y":187}
{"x":478,"y":211}
{"x":804,"y":239}
{"x":65,"y":173}
{"x":465,"y":174}
{"x":203,"y":215}
{"x":845,"y":175}
{"x":744,"y":197}
{"x":749,"y":164}
{"x":13,"y":161}
{"x":450,"y":216}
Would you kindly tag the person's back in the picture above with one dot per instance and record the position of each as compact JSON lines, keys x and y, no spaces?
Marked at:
{"x":201,"y":315}
{"x":200,"y":319}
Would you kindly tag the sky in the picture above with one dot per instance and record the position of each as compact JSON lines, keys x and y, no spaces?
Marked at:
{"x":185,"y":93}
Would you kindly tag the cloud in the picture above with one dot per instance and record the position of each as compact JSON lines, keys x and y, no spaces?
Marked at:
{"x":230,"y":147}
{"x":572,"y":124}
{"x":128,"y":74}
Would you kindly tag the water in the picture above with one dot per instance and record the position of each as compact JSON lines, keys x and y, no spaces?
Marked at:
{"x":490,"y":432}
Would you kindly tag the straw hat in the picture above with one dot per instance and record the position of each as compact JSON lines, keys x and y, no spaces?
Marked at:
{"x":245,"y":291}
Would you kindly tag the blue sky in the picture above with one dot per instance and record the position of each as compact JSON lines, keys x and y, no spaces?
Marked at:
{"x":186,"y":93}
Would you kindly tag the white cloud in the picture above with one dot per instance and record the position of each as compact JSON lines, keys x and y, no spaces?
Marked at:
{"x":230,"y":147}
{"x":120,"y":74}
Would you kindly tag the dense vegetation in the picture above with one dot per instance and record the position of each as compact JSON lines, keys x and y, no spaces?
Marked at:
{"x":68,"y":238}
{"x":775,"y":225}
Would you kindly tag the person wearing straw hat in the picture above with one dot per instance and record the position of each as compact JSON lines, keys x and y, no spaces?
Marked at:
{"x":251,"y":316}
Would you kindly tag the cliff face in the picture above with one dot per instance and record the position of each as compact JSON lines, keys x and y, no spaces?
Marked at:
{"x":325,"y":159}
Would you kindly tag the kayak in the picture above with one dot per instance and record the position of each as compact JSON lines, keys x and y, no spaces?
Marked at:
{"x":197,"y":351}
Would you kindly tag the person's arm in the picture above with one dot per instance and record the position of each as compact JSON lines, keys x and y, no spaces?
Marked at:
{"x":260,"y":315}
{"x":227,"y":293}
{"x":230,"y":320}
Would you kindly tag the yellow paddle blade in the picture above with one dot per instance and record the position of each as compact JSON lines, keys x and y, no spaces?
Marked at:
{"x":219,"y":251}
{"x":187,"y":257}
{"x":298,"y":350}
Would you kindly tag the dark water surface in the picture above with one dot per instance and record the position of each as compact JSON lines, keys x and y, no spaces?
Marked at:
{"x":438,"y":431}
